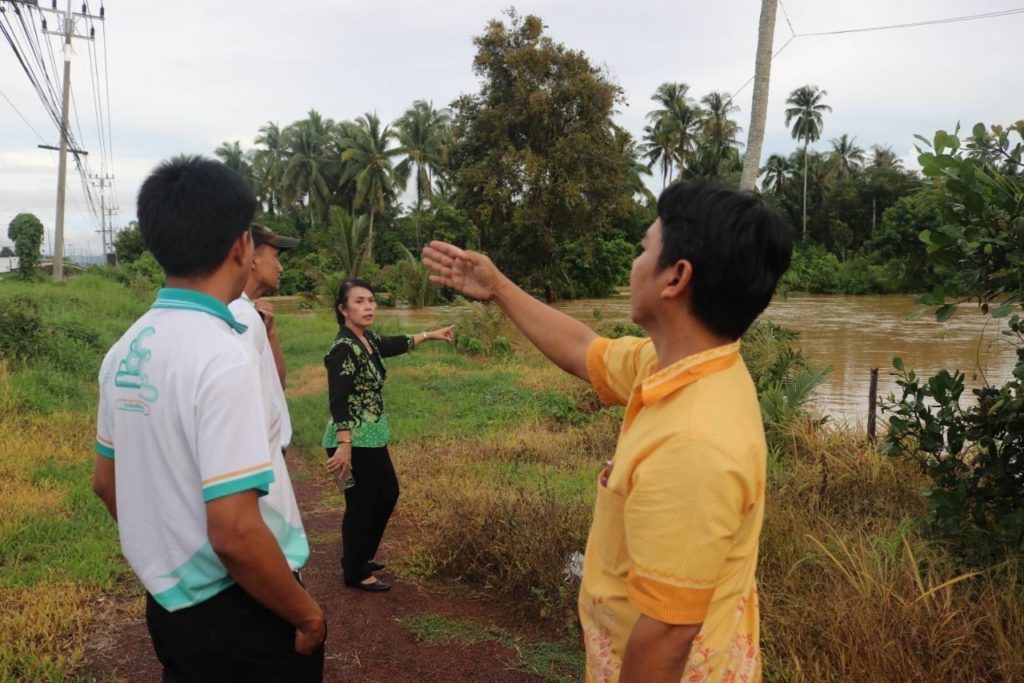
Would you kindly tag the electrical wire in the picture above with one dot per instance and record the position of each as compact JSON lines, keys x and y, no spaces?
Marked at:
{"x":916,"y":24}
{"x":41,"y":138}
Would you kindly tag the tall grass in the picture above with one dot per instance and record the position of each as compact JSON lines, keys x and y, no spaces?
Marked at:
{"x":58,"y":546}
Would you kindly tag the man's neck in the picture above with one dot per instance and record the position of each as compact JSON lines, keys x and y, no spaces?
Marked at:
{"x":680,"y":337}
{"x":219,"y":288}
{"x":254,"y":289}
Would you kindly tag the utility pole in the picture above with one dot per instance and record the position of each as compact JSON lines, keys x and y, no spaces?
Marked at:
{"x":67,"y":32}
{"x":102,"y":182}
{"x":111,"y":211}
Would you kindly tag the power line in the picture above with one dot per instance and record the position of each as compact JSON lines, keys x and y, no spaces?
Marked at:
{"x":915,"y":24}
{"x":792,"y":31}
{"x":41,"y":138}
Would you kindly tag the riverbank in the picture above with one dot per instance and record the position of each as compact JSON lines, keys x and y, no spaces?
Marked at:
{"x":496,"y":458}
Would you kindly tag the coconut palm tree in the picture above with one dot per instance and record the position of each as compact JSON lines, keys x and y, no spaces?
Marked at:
{"x":422,"y":138}
{"x":718,"y":134}
{"x":759,"y":102}
{"x":346,"y":241}
{"x":368,"y":157}
{"x":805,"y":111}
{"x":845,"y":158}
{"x":884,"y":157}
{"x":660,"y":147}
{"x":308,"y":171}
{"x":776,"y":173}
{"x":269,"y":160}
{"x":234,"y":157}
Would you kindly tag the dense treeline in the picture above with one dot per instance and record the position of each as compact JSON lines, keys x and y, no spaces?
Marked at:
{"x":533,"y":169}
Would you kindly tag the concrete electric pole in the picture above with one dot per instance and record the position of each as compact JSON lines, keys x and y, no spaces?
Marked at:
{"x":67,"y":32}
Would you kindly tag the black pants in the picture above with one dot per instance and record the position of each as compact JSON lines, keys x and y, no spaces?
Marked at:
{"x":368,"y":507}
{"x":229,"y":637}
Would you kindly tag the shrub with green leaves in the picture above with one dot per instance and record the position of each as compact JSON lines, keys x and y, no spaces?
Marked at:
{"x":973,"y":450}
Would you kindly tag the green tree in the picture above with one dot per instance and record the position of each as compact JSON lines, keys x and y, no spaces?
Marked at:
{"x":972,"y":450}
{"x":423,"y":139}
{"x":370,"y":157}
{"x":128,"y":244}
{"x":846,"y":157}
{"x":719,"y":142}
{"x":345,"y":243}
{"x":898,"y":236}
{"x":670,"y":141}
{"x":776,"y":173}
{"x":307,"y":175}
{"x":234,"y":157}
{"x":269,"y":161}
{"x":537,"y":161}
{"x":26,"y":231}
{"x":805,"y":111}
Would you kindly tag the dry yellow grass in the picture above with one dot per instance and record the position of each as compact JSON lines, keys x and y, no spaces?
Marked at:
{"x":25,"y":441}
{"x":43,"y":629}
{"x":307,"y":380}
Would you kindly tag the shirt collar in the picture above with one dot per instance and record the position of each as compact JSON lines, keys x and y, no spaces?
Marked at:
{"x":193,"y":300}
{"x":687,"y":371}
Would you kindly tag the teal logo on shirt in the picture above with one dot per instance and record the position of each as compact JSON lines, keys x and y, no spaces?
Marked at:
{"x":131,"y":375}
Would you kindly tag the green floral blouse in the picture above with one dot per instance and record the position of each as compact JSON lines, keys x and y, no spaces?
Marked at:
{"x":355,"y":384}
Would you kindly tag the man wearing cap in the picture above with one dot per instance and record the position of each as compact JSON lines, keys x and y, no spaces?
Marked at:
{"x":258,"y":315}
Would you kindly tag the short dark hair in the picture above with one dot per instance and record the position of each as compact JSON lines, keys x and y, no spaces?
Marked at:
{"x":343,"y":291}
{"x":190,"y":211}
{"x":739,"y":247}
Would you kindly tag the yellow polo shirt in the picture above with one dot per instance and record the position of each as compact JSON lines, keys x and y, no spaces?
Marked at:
{"x":679,"y":511}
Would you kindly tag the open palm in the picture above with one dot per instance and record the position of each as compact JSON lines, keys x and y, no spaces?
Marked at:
{"x":469,"y":272}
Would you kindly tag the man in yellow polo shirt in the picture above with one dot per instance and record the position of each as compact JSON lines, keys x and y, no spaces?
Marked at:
{"x":669,"y":591}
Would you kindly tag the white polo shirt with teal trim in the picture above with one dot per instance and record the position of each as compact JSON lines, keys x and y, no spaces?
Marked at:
{"x":245,"y":312}
{"x":184,"y":416}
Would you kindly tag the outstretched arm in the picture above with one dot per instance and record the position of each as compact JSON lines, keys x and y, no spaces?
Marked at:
{"x":563,"y":339}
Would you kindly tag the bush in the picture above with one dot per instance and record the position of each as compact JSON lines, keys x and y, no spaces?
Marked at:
{"x":21,"y":330}
{"x":479,"y":330}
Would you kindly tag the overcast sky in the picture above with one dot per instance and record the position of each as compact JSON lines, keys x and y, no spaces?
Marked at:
{"x":185,"y":77}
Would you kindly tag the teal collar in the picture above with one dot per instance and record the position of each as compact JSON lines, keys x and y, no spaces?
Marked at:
{"x":193,"y":300}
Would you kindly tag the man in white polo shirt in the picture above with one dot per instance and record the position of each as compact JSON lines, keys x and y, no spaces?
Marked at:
{"x":187,"y":461}
{"x":258,"y":315}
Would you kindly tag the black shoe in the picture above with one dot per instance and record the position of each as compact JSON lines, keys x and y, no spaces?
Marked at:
{"x":375,"y":587}
{"x":375,"y":566}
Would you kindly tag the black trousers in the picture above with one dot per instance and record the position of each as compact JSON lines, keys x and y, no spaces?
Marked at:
{"x":368,"y":507}
{"x":229,"y":637}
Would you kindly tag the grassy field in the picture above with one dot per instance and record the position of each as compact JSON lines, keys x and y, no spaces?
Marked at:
{"x":497,"y":460}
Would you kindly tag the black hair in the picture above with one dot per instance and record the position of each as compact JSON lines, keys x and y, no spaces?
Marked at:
{"x":191,"y":210}
{"x":343,"y":292}
{"x":739,"y":247}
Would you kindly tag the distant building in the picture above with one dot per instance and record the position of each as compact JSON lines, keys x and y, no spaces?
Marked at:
{"x":8,"y":264}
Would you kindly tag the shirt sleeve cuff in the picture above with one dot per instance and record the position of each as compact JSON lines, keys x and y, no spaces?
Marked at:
{"x":104,"y":448}
{"x":669,"y":603}
{"x":260,"y":481}
{"x":597,"y":373}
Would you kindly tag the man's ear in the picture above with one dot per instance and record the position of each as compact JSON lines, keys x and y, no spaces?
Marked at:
{"x":680,"y":276}
{"x":242,"y":251}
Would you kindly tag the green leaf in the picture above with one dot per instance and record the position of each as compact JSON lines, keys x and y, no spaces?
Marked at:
{"x":1002,"y":311}
{"x":897,"y":362}
{"x":944,"y":313}
{"x":918,"y":313}
{"x":979,"y":130}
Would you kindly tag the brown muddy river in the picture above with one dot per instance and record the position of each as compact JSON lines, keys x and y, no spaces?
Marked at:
{"x":850,"y":333}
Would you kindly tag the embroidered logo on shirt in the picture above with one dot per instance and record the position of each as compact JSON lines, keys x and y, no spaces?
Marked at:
{"x":131,"y":375}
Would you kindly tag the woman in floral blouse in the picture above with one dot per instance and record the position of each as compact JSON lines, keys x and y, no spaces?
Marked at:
{"x":357,"y":436}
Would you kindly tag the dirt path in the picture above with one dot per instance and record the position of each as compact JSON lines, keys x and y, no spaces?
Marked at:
{"x":366,"y":639}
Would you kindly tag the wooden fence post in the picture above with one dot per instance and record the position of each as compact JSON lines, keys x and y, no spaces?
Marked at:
{"x":872,"y":403}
